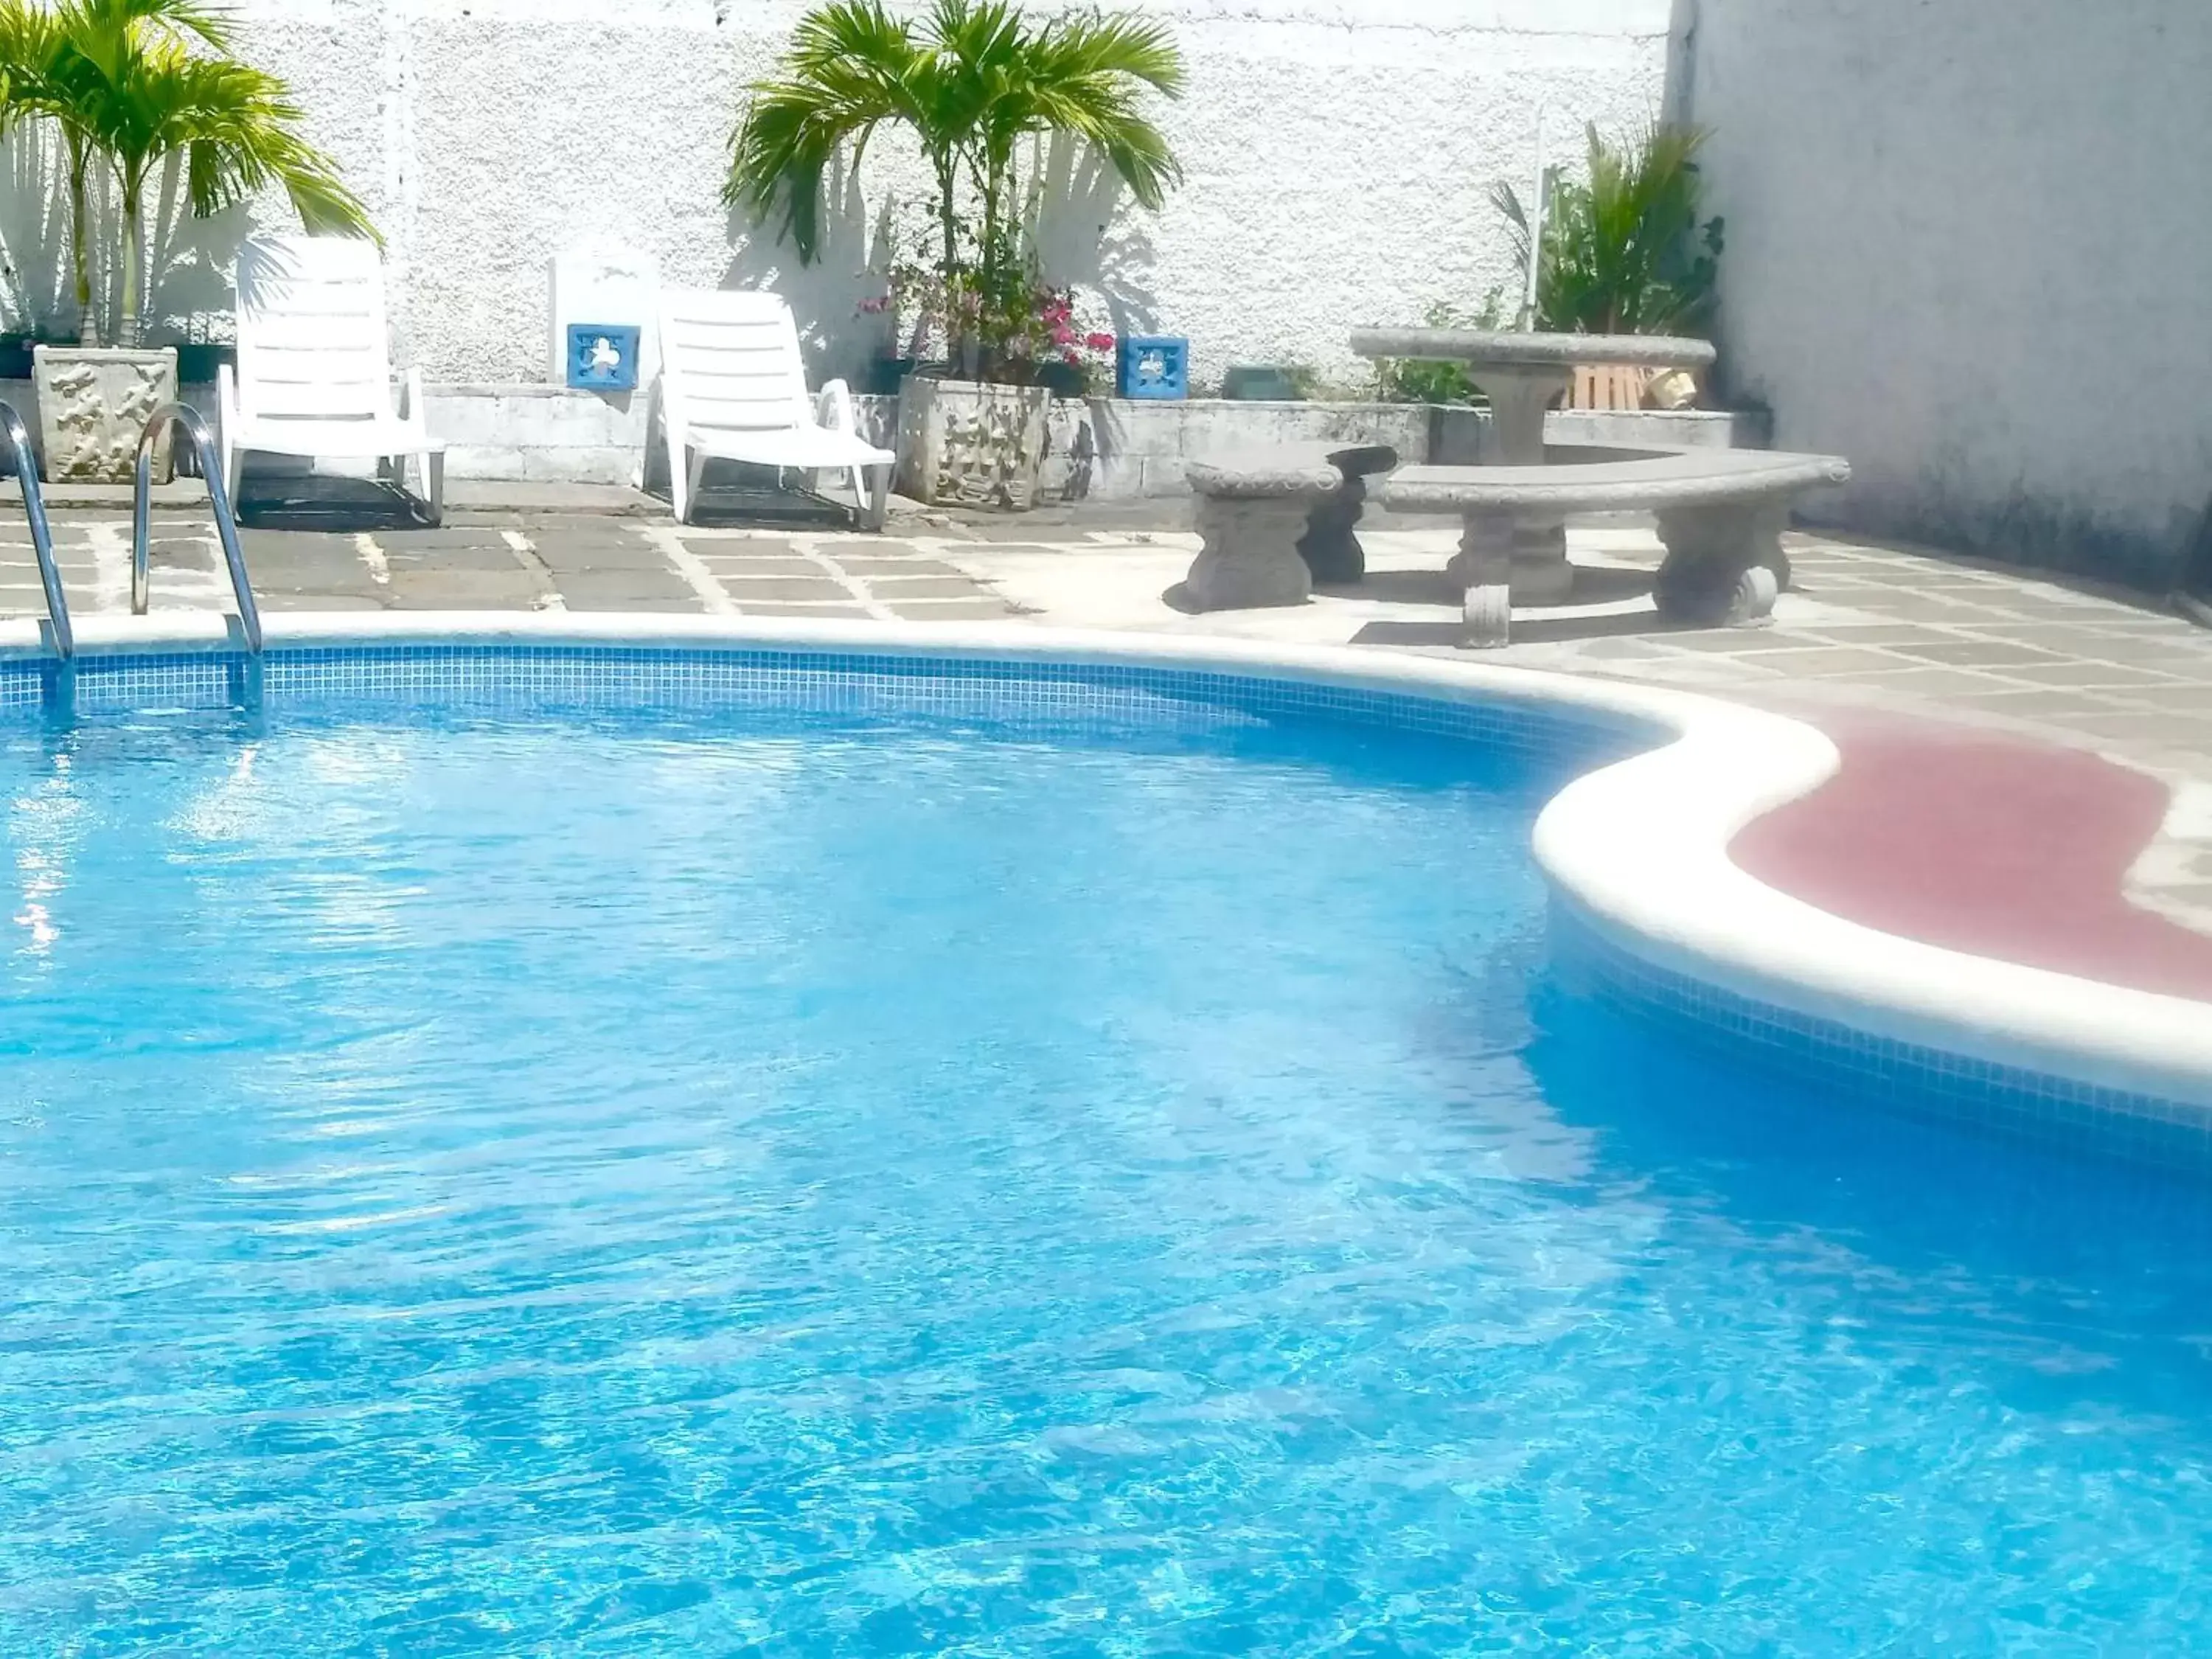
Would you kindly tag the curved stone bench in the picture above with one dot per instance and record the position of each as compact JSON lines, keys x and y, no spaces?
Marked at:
{"x":1273,"y":521}
{"x":1722,"y":513}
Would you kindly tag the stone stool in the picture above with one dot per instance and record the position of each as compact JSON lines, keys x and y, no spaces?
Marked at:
{"x":1272,"y":520}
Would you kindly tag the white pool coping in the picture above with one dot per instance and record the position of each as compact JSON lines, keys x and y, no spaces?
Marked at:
{"x":1639,"y":848}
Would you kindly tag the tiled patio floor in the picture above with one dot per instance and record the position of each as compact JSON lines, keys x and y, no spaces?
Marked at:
{"x":1865,"y":625}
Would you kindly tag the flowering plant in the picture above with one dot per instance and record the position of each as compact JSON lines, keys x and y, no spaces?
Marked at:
{"x":1056,"y":317}
{"x":992,"y":314}
{"x":1035,"y":336}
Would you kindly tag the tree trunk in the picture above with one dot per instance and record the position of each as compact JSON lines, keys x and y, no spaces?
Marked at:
{"x":88,"y":324}
{"x":126,"y":322}
{"x":948,"y":221}
{"x":959,"y":338}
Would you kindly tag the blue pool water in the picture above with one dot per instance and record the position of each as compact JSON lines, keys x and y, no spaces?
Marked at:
{"x":782,"y":1185}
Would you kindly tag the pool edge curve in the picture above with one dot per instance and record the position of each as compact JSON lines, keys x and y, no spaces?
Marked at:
{"x":1636,"y":852}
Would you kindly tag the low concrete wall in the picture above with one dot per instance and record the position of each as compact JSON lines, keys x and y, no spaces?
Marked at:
{"x":1101,"y":448}
{"x":1456,"y":435}
{"x":1111,"y":449}
{"x":542,"y":434}
{"x":1118,"y":450}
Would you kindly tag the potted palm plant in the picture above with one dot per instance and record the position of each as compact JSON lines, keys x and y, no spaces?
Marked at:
{"x":973,"y":82}
{"x":1625,"y":250}
{"x":132,"y":86}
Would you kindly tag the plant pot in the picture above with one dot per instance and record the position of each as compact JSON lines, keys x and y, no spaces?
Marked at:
{"x":94,"y":403}
{"x":1064,"y":380}
{"x":15,"y":356}
{"x":965,"y":443}
{"x":887,"y":375}
{"x":1266,"y":384}
{"x":196,"y":363}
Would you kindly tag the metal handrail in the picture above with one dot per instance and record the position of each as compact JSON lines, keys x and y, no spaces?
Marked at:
{"x":226,"y":526}
{"x":42,"y":534}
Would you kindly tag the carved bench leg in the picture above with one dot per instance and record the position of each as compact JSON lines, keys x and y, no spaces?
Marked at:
{"x":1484,"y":565}
{"x":1540,"y":573}
{"x":1724,"y":563}
{"x":1330,"y":549}
{"x":1250,"y":557}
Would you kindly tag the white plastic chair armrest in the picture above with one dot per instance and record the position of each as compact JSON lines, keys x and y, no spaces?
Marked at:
{"x":833,"y":408}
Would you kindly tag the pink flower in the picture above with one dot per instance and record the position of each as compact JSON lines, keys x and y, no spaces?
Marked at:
{"x":871,"y":308}
{"x":1099,"y":342}
{"x":1072,"y":359}
{"x":1063,"y":336}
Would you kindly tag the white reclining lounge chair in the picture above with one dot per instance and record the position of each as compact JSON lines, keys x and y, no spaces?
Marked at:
{"x":314,"y":364}
{"x":734,"y":388}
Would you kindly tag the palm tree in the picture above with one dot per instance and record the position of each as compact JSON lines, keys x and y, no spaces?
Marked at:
{"x":1624,"y":252}
{"x":1079,"y":76}
{"x":969,"y":85}
{"x":132,"y":83}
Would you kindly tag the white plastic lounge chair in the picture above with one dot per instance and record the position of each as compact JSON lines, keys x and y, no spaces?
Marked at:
{"x":734,"y":388}
{"x":314,"y":364}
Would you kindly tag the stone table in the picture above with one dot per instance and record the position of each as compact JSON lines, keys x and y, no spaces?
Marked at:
{"x":1523,"y":374}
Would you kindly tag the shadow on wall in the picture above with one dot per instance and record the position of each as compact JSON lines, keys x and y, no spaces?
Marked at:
{"x":188,"y":261}
{"x":1091,"y":236}
{"x":1087,"y":234}
{"x":824,"y":296}
{"x":34,"y":235}
{"x":192,"y":266}
{"x":2038,"y":529}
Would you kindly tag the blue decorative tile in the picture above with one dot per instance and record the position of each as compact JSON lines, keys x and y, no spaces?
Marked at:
{"x":603,"y":356}
{"x":1152,"y":368}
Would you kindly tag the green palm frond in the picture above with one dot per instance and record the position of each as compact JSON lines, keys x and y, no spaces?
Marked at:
{"x":970,"y":82}
{"x":1623,"y":249}
{"x":1082,"y":76}
{"x":851,"y":68}
{"x":238,"y":130}
{"x":32,"y":47}
{"x":132,"y":83}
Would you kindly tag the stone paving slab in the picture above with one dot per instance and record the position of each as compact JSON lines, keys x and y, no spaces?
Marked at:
{"x":623,"y":589}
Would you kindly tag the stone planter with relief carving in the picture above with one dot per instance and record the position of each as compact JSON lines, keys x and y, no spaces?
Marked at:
{"x":94,"y":403}
{"x":964,"y":443}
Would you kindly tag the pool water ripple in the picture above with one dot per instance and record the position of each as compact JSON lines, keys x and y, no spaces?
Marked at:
{"x":790,"y":1186}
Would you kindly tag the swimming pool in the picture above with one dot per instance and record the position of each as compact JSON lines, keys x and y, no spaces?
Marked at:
{"x":824,"y":1156}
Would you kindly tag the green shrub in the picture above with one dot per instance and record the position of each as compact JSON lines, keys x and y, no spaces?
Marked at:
{"x":1623,"y":251}
{"x":1417,"y":380}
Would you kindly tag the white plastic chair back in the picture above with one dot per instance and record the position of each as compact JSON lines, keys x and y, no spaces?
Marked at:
{"x":311,"y":343}
{"x":730,"y":362}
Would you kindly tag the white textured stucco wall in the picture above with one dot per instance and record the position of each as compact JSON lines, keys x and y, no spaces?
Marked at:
{"x":1966,"y":247}
{"x":1338,"y":156}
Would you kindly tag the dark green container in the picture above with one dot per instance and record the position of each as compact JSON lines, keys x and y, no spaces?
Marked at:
{"x":1252,"y":383}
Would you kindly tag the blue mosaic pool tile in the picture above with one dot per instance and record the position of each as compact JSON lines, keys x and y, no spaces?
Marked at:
{"x":1907,"y":1077}
{"x":502,"y":677}
{"x":508,"y":677}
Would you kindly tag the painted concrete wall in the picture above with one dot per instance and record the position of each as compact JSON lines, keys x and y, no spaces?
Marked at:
{"x":1339,"y":153}
{"x":1967,"y":249}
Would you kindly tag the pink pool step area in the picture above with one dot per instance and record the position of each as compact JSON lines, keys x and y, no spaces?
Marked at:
{"x":1984,"y":843}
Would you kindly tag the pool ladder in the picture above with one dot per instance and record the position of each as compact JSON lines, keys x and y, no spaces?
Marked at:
{"x":62,"y":635}
{"x":42,"y":536}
